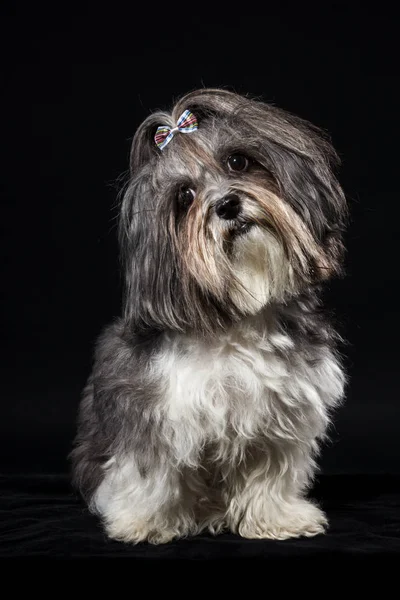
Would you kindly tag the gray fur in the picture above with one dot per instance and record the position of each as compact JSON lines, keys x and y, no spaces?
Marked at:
{"x":171,"y":299}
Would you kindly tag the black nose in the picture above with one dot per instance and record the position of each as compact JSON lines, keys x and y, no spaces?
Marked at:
{"x":228,"y":207}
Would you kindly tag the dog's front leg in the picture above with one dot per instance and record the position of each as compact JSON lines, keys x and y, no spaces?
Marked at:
{"x":153,"y":506}
{"x":267,"y":497}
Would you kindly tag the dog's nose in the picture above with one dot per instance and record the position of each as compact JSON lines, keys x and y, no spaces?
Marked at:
{"x":228,"y":207}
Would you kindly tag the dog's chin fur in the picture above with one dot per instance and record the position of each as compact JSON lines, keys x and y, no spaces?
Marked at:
{"x":209,"y":398}
{"x":262,"y":272}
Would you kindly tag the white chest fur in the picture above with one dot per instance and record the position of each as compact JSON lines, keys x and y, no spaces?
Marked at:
{"x":253,"y":383}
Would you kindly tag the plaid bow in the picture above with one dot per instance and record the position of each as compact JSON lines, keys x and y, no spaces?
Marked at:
{"x":187,"y":123}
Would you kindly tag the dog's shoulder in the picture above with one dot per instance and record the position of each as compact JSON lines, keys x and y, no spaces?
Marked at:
{"x":119,"y":343}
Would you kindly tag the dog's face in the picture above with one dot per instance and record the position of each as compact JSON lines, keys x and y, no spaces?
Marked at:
{"x":242,"y":212}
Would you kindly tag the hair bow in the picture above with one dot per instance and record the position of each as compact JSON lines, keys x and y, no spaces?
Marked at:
{"x":187,"y":123}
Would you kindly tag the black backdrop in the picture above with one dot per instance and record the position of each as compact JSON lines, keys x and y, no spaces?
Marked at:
{"x":75,"y":85}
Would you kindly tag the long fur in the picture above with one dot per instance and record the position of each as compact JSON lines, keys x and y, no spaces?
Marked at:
{"x":211,"y":394}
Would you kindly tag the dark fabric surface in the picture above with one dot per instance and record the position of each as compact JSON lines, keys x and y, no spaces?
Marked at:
{"x":41,"y":517}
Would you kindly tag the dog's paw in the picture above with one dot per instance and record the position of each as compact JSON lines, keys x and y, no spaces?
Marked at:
{"x":137,"y":534}
{"x":303,"y":519}
{"x":136,"y":531}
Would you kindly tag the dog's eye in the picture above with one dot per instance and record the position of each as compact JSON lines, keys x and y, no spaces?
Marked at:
{"x":238,"y":162}
{"x":185,"y":197}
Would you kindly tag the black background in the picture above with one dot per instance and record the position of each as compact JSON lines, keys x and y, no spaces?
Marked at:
{"x":76,"y":82}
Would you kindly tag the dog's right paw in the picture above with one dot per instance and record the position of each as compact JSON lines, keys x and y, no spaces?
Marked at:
{"x":138,"y":532}
{"x":135,"y":532}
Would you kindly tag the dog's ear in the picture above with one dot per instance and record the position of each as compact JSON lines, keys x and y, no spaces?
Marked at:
{"x":144,"y":147}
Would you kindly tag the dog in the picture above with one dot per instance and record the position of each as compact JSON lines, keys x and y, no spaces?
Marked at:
{"x":211,"y":395}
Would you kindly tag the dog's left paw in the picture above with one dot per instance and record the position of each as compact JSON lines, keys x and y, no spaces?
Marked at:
{"x":302,"y":519}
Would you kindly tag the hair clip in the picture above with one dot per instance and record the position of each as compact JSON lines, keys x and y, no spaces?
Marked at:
{"x":187,"y":123}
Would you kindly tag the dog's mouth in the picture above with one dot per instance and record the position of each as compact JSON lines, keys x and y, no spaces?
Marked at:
{"x":237,"y":230}
{"x":240,"y":227}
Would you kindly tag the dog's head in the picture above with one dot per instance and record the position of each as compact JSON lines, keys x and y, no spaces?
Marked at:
{"x":240,"y":210}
